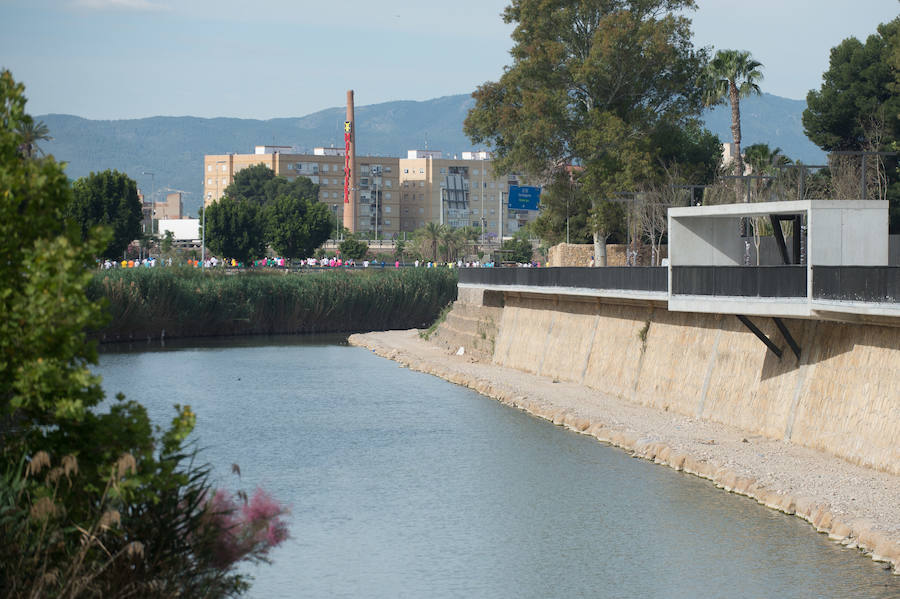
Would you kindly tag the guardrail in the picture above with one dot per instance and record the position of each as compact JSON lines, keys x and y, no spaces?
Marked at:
{"x":740,"y":281}
{"x":857,"y":283}
{"x":625,"y":278}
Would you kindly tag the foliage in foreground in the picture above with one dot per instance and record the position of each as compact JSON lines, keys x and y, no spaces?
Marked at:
{"x":92,"y":504}
{"x":194,"y":303}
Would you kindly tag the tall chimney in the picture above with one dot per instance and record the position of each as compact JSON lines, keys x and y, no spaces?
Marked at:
{"x":350,"y":187}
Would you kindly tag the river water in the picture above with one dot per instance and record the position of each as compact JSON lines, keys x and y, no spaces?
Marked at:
{"x":403,"y":485}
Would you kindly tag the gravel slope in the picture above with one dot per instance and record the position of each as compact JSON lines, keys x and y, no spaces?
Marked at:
{"x":855,"y":506}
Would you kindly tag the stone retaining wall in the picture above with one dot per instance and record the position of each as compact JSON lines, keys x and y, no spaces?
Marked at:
{"x":842,"y":396}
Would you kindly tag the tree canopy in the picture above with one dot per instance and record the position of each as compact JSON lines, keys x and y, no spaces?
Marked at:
{"x":235,"y":229}
{"x":92,"y":503}
{"x":860,"y":85}
{"x":857,"y":107}
{"x":591,"y":81}
{"x":263,"y":208}
{"x":107,"y":198}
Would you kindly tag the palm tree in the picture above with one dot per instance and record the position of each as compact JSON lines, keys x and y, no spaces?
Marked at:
{"x":31,"y":133}
{"x":765,"y":162}
{"x":431,"y":235}
{"x":732,"y":74}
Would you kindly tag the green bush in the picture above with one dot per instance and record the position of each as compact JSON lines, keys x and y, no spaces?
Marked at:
{"x":186,"y":302}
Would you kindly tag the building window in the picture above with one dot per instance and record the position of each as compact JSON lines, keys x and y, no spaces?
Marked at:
{"x":324,"y":168}
{"x":474,"y":210}
{"x":208,"y":167}
{"x":222,"y":168}
{"x":387,"y":183}
{"x":421,"y":183}
{"x":387,"y":209}
{"x":474,"y":171}
{"x":443,"y":170}
{"x":493,"y":211}
{"x":406,"y":171}
{"x":421,"y":211}
{"x":224,"y":181}
{"x":387,"y":169}
{"x":421,"y":171}
{"x":209,"y":181}
{"x":387,"y":222}
{"x":387,"y":195}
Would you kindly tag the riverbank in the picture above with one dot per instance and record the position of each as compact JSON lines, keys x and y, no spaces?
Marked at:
{"x":167,"y":303}
{"x":856,"y":506}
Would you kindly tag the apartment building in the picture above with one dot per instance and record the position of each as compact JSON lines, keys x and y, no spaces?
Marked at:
{"x":393,"y":195}
{"x":459,"y":191}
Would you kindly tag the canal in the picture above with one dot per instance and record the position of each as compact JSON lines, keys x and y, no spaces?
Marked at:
{"x":403,"y":485}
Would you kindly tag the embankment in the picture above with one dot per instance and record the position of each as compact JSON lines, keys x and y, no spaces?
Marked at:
{"x":817,"y":437}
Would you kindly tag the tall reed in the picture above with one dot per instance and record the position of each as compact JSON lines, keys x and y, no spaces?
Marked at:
{"x":185,"y":302}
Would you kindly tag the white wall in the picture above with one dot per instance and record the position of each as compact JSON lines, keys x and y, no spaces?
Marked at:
{"x":182,"y":229}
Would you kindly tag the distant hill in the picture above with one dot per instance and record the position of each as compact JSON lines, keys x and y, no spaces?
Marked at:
{"x":173,"y":147}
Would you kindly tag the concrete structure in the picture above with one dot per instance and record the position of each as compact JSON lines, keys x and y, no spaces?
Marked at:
{"x":171,"y":208}
{"x":351,"y":186}
{"x":838,"y":233}
{"x":183,"y":229}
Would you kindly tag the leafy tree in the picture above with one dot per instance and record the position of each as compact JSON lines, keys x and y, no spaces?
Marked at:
{"x":297,"y":225}
{"x":235,"y":229}
{"x":353,"y":248}
{"x":107,"y":198}
{"x":258,"y":183}
{"x":400,"y":249}
{"x":860,"y":83}
{"x":732,"y":74}
{"x":591,"y":80}
{"x":518,"y":249}
{"x":250,"y":184}
{"x":91,"y":504}
{"x":858,"y":108}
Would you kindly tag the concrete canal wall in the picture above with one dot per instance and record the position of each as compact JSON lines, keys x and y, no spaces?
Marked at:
{"x":842,"y":396}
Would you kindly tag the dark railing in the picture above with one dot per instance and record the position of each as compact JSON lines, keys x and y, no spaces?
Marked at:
{"x":740,"y":281}
{"x":626,"y":278}
{"x":857,"y":283}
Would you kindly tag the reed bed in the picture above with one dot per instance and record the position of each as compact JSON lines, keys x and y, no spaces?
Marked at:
{"x":183,"y":302}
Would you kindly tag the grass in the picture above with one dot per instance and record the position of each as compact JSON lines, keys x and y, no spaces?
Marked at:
{"x":442,"y":316}
{"x":186,"y":302}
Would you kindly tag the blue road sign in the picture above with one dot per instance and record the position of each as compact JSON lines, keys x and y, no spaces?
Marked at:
{"x":522,"y":197}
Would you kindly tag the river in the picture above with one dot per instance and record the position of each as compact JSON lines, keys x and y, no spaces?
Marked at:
{"x":403,"y":485}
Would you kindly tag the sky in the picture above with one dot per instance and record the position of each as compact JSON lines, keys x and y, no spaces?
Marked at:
{"x":119,"y":59}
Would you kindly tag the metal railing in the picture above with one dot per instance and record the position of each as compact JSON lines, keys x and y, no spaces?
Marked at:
{"x":625,"y":278}
{"x":740,"y":281}
{"x":857,"y":283}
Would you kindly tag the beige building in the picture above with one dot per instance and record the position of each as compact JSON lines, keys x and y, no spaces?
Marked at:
{"x":394,"y":195}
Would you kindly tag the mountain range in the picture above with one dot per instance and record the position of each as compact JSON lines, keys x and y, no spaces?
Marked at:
{"x":172,"y":148}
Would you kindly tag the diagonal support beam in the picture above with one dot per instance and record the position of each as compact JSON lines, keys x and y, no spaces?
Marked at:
{"x":787,"y":336}
{"x":779,"y":236}
{"x":760,"y":335}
